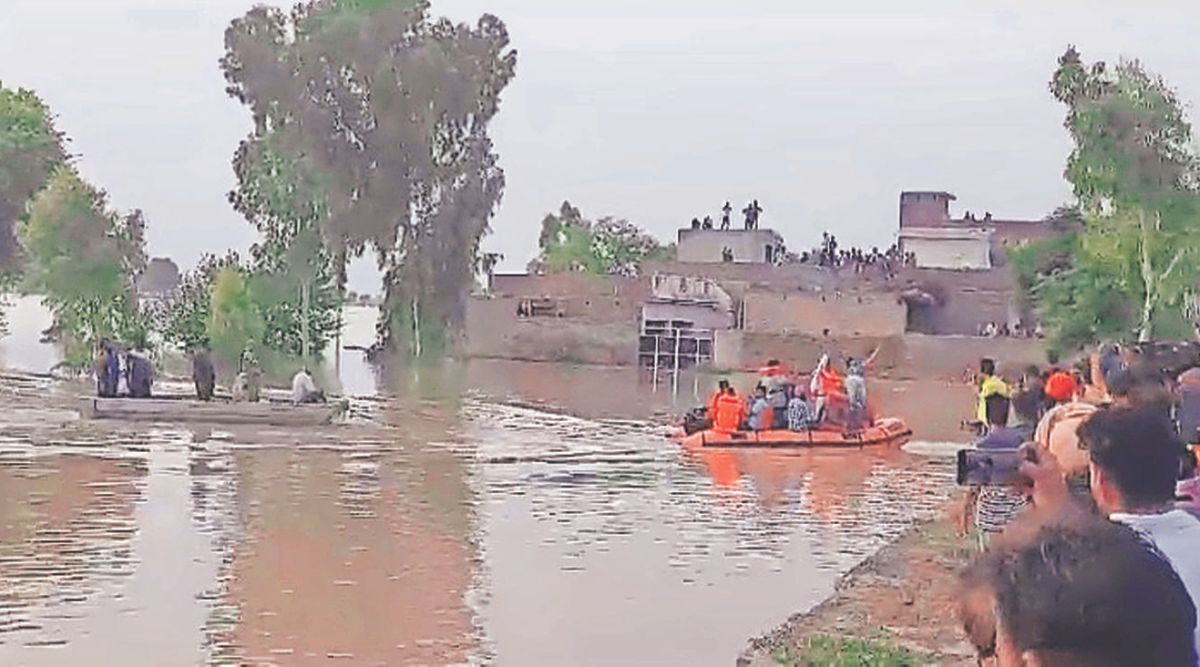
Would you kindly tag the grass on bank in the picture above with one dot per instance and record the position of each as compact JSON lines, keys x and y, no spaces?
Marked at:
{"x":830,"y":651}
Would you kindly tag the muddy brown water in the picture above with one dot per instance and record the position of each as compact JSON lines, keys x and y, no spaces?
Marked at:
{"x":493,"y":512}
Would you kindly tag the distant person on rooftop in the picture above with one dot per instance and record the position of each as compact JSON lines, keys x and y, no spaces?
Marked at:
{"x":708,"y":222}
{"x":726,"y":214}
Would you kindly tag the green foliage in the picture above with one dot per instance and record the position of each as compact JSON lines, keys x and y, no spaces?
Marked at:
{"x":1134,"y":173}
{"x":831,"y":651}
{"x":397,"y":140}
{"x":569,"y":242}
{"x":235,"y":321}
{"x":83,"y":258}
{"x":30,"y":150}
{"x":184,"y":322}
{"x":295,"y":275}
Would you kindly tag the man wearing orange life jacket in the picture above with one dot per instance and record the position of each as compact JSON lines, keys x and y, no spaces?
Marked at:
{"x":730,"y":412}
{"x":722,"y":387}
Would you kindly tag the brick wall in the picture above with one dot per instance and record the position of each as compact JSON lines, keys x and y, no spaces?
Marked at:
{"x":837,"y":314}
{"x":495,"y":331}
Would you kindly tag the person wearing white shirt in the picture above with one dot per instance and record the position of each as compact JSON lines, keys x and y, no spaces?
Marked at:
{"x":304,"y":389}
{"x":1135,"y":463}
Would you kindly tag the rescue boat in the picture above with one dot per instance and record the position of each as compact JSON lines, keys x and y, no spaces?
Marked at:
{"x":885,"y":431}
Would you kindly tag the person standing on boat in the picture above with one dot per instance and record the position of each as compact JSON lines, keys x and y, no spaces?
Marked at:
{"x":304,"y":390}
{"x":203,"y":373}
{"x":856,"y":395}
{"x":105,"y":387}
{"x":139,"y":374}
{"x":248,"y":386}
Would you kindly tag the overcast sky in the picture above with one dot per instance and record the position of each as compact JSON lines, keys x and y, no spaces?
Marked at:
{"x":653,"y":110}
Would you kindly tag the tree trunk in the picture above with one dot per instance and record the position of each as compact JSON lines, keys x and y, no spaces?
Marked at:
{"x":416,"y":314}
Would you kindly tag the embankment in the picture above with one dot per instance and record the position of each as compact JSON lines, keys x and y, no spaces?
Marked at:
{"x":902,"y":599}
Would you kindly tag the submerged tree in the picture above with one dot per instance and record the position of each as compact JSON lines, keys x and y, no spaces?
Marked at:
{"x":1134,"y":173}
{"x":569,"y":242}
{"x":184,"y":320}
{"x":388,"y":109}
{"x":84,"y":258}
{"x":295,"y":276}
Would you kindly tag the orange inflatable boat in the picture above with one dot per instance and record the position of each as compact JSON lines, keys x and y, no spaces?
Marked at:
{"x":885,"y":431}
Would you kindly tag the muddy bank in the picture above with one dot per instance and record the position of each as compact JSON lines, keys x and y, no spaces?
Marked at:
{"x":899,"y":601}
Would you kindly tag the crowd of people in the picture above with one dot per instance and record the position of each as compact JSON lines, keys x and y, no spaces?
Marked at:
{"x":752,"y":213}
{"x":831,"y":255}
{"x":1016,"y":330}
{"x":1092,"y":557}
{"x":134,"y":377}
{"x":122,"y":371}
{"x":783,"y":400}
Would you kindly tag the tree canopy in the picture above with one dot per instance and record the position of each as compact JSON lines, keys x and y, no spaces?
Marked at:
{"x":387,"y":110}
{"x":84,"y":257}
{"x":30,"y":150}
{"x":569,"y":242}
{"x":1132,"y":268}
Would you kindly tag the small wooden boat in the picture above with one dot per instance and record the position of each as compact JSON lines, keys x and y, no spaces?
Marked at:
{"x":885,"y":431}
{"x":176,"y":410}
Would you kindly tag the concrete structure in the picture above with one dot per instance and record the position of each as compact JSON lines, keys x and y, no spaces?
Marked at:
{"x":962,"y":249}
{"x":749,"y":246}
{"x":825,"y":315}
{"x":925,"y":209}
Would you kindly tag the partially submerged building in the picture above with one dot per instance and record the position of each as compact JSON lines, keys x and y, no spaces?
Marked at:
{"x":729,"y":301}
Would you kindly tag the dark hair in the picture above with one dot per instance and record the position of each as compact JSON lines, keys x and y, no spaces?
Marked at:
{"x":996,"y":407}
{"x":1137,"y":448}
{"x":723,"y":384}
{"x":987,"y":366}
{"x":1028,"y":405}
{"x":1090,"y":592}
{"x":1120,"y":383}
{"x":772,"y":362}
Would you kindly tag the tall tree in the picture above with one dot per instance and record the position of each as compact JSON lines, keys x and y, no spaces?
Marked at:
{"x":184,"y":320}
{"x":389,"y":110}
{"x":569,"y":242}
{"x":296,"y":277}
{"x":1135,"y":175}
{"x":30,"y":149}
{"x":84,"y":258}
{"x":234,"y":320}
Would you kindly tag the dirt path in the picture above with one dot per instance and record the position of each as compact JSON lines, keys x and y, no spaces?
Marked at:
{"x":897,"y":607}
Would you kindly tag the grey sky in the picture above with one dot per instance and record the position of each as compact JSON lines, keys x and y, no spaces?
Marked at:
{"x":655,"y":111}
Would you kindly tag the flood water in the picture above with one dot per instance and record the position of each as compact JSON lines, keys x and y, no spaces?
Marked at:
{"x":489,"y":512}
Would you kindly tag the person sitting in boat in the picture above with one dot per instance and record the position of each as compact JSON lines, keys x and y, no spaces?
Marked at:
{"x":730,"y":412}
{"x":304,"y":390}
{"x":139,"y":374}
{"x":203,"y":374}
{"x":799,"y":412}
{"x":762,"y":416}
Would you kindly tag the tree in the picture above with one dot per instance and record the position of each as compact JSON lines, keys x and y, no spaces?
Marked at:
{"x":84,"y":258}
{"x":569,"y":242}
{"x":1134,"y":174}
{"x":235,"y":321}
{"x":30,"y":150}
{"x":184,"y":321}
{"x":296,"y":277}
{"x":388,"y":110}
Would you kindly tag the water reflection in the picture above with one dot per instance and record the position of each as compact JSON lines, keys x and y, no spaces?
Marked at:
{"x":490,"y":511}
